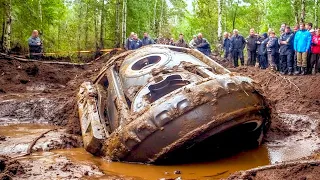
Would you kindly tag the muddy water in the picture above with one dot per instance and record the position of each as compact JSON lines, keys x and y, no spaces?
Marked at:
{"x":212,"y":170}
{"x":302,"y":144}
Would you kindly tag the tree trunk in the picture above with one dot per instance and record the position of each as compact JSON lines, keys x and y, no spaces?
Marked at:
{"x":294,"y":6}
{"x":96,"y":32}
{"x":86,"y":28}
{"x":124,"y":22}
{"x":234,"y":18}
{"x":161,"y":18}
{"x":155,"y":17}
{"x":117,"y":32}
{"x":102,"y":28}
{"x":79,"y":28}
{"x":316,"y":4}
{"x":219,"y":21}
{"x":303,"y":10}
{"x":7,"y":32}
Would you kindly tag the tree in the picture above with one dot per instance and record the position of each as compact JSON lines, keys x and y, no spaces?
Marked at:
{"x":7,"y":27}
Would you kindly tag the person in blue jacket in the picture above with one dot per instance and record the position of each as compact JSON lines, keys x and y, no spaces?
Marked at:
{"x":273,"y":50}
{"x":262,"y":51}
{"x":136,"y":43}
{"x":226,"y":45}
{"x":302,"y":43}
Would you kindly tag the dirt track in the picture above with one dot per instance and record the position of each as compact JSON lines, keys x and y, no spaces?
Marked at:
{"x":45,"y":93}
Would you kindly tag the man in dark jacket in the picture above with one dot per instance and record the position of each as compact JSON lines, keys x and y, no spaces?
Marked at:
{"x":262,"y":51}
{"x":286,"y":49}
{"x":202,"y":45}
{"x":128,"y":41}
{"x":136,"y":43}
{"x":272,"y":48}
{"x":251,"y":48}
{"x":181,"y":42}
{"x":236,"y":48}
{"x":226,"y":45}
{"x":35,"y":45}
{"x":146,"y":39}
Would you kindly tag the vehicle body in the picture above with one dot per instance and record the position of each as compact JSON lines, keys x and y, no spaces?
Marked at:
{"x":146,"y":105}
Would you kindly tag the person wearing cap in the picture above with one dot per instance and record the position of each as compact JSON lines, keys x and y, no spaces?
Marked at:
{"x":315,"y":50}
{"x":251,"y":41}
{"x":181,"y":42}
{"x":286,"y":49}
{"x":302,"y":44}
{"x":262,"y":51}
{"x":226,"y":45}
{"x":35,"y":45}
{"x":202,"y":45}
{"x":272,"y":48}
{"x":237,"y":45}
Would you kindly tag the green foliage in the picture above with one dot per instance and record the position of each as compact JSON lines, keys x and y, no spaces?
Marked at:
{"x":69,"y":25}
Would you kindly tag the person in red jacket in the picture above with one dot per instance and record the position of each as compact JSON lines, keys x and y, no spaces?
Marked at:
{"x":315,"y":50}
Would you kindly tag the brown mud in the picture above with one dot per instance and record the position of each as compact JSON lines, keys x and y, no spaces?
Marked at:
{"x":36,"y":97}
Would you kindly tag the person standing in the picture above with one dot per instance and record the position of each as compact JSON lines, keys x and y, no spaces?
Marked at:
{"x":315,"y":49}
{"x":294,"y":54}
{"x":226,"y":45}
{"x":181,"y":42}
{"x":192,"y":43}
{"x":262,"y":51}
{"x":302,"y":43}
{"x":272,"y":48}
{"x":146,"y":40}
{"x":128,"y":41}
{"x":35,"y":45}
{"x":237,"y":44}
{"x":286,"y":49}
{"x":202,"y":45}
{"x":136,"y":43}
{"x":251,"y":48}
{"x":309,"y":28}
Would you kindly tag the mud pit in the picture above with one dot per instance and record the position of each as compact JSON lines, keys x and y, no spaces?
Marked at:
{"x":36,"y":98}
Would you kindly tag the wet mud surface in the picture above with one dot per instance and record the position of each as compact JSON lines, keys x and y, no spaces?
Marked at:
{"x":36,"y":98}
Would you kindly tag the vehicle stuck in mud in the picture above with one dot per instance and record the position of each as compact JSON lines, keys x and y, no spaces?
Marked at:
{"x":160,"y":103}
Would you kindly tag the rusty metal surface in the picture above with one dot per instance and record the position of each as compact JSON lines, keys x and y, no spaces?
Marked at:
{"x":160,"y":98}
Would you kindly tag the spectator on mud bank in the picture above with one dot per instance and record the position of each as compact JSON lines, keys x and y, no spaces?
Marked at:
{"x":226,"y":45}
{"x":128,"y":41}
{"x":202,"y":45}
{"x":171,"y":42}
{"x":181,"y":42}
{"x":35,"y":45}
{"x":286,"y":49}
{"x":251,"y":41}
{"x":136,"y":43}
{"x":236,"y":48}
{"x":273,"y":49}
{"x":192,"y":43}
{"x":302,"y":43}
{"x":262,"y":51}
{"x":315,"y":50}
{"x":146,"y":39}
{"x":309,"y":28}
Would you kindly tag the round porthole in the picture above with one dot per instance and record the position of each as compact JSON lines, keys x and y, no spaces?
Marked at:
{"x":146,"y":62}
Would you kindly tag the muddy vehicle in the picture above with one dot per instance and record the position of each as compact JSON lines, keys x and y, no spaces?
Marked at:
{"x":163,"y":102}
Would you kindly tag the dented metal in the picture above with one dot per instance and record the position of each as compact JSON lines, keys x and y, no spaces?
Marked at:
{"x":160,"y":99}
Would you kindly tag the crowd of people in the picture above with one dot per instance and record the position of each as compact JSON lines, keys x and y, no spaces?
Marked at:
{"x":295,"y":51}
{"x":198,"y":42}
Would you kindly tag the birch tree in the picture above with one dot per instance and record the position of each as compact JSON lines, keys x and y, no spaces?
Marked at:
{"x":7,"y":27}
{"x":124,"y":22}
{"x":219,"y":21}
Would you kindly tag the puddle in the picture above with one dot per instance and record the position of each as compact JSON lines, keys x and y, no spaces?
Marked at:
{"x":212,"y":170}
{"x":305,"y":142}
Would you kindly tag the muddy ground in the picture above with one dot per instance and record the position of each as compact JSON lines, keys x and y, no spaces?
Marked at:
{"x":33,"y":93}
